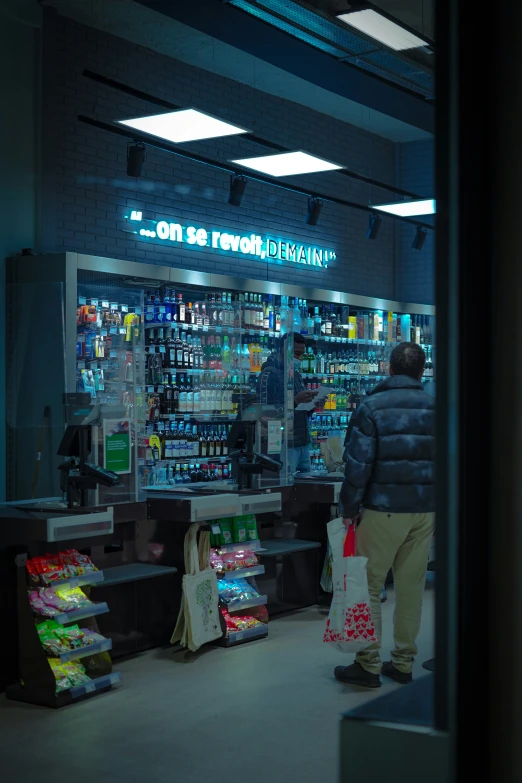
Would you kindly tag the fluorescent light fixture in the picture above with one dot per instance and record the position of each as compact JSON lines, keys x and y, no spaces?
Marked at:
{"x":284,"y":164}
{"x":408,"y":208}
{"x":371,"y":22}
{"x":183,"y":125}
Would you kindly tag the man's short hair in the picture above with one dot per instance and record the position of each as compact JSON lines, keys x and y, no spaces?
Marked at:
{"x":408,"y":359}
{"x":298,"y":338}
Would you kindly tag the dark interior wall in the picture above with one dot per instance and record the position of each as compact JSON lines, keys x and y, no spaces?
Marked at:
{"x":415,"y":270}
{"x":87,"y":192}
{"x":19,"y":160}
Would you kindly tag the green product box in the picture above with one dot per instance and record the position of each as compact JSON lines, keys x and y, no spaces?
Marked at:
{"x":225,"y":526}
{"x":240,"y":529}
{"x":251,"y":528}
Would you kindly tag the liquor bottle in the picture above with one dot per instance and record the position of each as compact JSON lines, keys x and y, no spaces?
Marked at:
{"x":328,"y":322}
{"x":226,"y":356}
{"x":427,"y":331}
{"x":278,"y":321}
{"x":211,"y":445}
{"x":317,"y":322}
{"x":202,"y":443}
{"x":175,"y":394}
{"x":418,"y":331}
{"x":271,"y":314}
{"x":181,"y":309}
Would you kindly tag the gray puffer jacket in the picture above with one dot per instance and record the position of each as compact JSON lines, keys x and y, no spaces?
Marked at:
{"x":271,"y":390}
{"x":390,"y":451}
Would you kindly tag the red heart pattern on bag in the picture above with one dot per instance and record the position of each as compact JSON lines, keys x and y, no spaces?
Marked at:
{"x":358,"y":626}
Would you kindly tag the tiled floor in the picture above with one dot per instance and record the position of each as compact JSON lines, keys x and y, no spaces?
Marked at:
{"x":264,"y":710}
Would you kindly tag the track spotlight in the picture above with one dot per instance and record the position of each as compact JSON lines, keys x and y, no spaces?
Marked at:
{"x":237,"y":189}
{"x":419,"y":238}
{"x":315,"y":206}
{"x":135,"y":158}
{"x":374,"y":224}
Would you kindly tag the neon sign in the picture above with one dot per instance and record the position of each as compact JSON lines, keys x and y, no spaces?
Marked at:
{"x":263,"y":247}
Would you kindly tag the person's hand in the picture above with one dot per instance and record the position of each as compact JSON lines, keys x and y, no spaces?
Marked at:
{"x":305,"y":396}
{"x":347,"y":521}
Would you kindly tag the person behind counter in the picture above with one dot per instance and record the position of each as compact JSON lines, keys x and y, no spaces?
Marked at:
{"x":271,"y":389}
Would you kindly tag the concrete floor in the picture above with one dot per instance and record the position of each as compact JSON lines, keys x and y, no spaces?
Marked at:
{"x":263,"y":710}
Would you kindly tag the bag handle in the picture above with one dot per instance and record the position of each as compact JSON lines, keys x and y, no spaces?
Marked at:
{"x":191,"y":549}
{"x":349,"y":542}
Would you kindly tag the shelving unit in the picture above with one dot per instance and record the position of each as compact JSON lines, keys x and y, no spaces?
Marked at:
{"x":37,"y":683}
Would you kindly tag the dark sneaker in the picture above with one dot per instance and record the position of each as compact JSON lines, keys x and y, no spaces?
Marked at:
{"x":389,"y":670}
{"x":356,"y":675}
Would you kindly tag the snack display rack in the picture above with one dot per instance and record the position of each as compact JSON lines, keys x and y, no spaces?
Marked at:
{"x":37,"y":684}
{"x":225,"y":558}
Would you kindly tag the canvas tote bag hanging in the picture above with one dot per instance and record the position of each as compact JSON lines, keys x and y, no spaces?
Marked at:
{"x":198,"y":619}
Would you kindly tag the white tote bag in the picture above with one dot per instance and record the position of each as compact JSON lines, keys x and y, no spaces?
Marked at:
{"x":198,"y":620}
{"x":349,"y":626}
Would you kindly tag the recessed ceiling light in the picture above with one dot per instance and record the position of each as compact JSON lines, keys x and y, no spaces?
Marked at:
{"x":183,"y":125}
{"x":284,"y":164}
{"x":378,"y":26}
{"x":408,"y":208}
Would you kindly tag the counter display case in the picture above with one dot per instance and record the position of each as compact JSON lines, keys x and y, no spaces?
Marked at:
{"x":166,"y":365}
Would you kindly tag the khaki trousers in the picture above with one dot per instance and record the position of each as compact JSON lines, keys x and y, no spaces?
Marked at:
{"x":401,"y":542}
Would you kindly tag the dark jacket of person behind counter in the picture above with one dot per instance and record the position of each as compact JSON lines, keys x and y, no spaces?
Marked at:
{"x":271,"y":390}
{"x":390,"y":451}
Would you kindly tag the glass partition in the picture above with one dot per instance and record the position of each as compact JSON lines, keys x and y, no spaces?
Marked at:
{"x":110,"y":392}
{"x":35,"y":373}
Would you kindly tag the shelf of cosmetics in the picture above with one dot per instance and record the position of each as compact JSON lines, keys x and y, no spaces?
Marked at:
{"x":253,"y":312}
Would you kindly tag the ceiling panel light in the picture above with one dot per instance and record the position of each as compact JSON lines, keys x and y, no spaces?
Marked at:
{"x":374,"y":24}
{"x":183,"y":125}
{"x":284,"y":164}
{"x":409,"y":208}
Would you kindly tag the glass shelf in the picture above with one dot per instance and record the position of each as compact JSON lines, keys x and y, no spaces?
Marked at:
{"x":250,"y":546}
{"x":248,"y":603}
{"x":258,"y":632}
{"x":243,"y":573}
{"x":107,"y":681}
{"x":78,"y":581}
{"x":81,"y":614}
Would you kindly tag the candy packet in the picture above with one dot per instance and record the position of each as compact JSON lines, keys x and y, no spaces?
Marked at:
{"x":232,"y":591}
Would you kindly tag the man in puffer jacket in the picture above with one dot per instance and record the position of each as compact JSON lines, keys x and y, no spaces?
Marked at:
{"x":389,"y":482}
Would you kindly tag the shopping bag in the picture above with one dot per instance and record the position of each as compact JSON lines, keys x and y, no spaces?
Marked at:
{"x":198,"y":619}
{"x":349,"y":626}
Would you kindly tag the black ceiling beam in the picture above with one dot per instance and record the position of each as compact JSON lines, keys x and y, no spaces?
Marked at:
{"x":129,"y":133}
{"x":243,"y":31}
{"x":145,"y":96}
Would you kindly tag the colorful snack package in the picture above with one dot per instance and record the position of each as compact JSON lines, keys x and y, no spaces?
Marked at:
{"x":225,"y":525}
{"x":232,"y":591}
{"x":243,"y":623}
{"x":232,"y":561}
{"x":251,"y":528}
{"x":91,"y":637}
{"x":52,"y":644}
{"x":78,"y":564}
{"x":216,"y":561}
{"x":71,"y":637}
{"x":73,"y":598}
{"x":60,"y":675}
{"x":39,"y":606}
{"x":240,"y":529}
